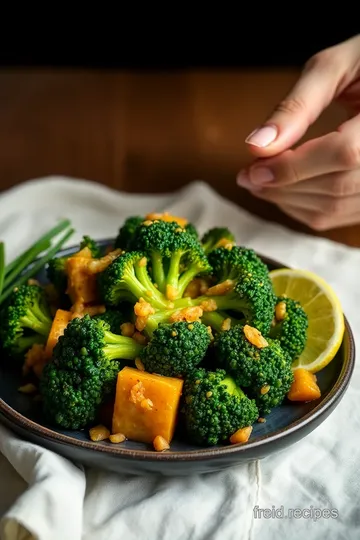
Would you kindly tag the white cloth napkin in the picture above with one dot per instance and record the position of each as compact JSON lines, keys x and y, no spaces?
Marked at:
{"x":45,"y":497}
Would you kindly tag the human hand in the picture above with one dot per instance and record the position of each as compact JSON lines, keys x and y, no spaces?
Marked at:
{"x":318,"y":183}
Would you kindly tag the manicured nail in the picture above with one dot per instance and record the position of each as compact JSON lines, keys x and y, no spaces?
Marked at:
{"x":243,"y":180}
{"x":261,"y":175}
{"x":262,"y":137}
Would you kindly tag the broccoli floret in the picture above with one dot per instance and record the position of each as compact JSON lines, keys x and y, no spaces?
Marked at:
{"x":25,"y":319}
{"x":291,"y":331}
{"x":175,"y":349}
{"x":176,"y":256}
{"x":127,"y":279}
{"x":71,"y":399}
{"x":56,"y":274}
{"x":127,"y":231}
{"x":231,"y":263}
{"x":219,"y":321}
{"x":83,"y":371}
{"x":215,"y":407}
{"x":250,"y":290}
{"x":91,"y":244}
{"x":216,"y":237}
{"x":56,"y":267}
{"x":250,"y":299}
{"x":191,"y":229}
{"x":113,"y":318}
{"x":265,"y":373}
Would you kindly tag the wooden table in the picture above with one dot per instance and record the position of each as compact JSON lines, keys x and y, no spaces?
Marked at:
{"x":143,"y":131}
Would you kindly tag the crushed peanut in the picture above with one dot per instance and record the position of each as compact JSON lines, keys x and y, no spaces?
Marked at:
{"x":171,"y":292}
{"x":196,"y":287}
{"x":160,"y":444}
{"x":265,"y":389}
{"x":189,"y":314}
{"x":221,"y":288}
{"x":127,"y":329}
{"x":209,"y":329}
{"x":241,"y":435}
{"x":146,"y":404}
{"x":139,"y":364}
{"x":174,"y":333}
{"x":99,"y":433}
{"x":280,"y":311}
{"x":117,"y":438}
{"x":27,"y":388}
{"x":147,"y":222}
{"x":94,"y":310}
{"x":140,"y":323}
{"x":99,"y":265}
{"x":150,"y":294}
{"x":255,"y":337}
{"x":140,"y":338}
{"x":209,"y":305}
{"x":165,"y":216}
{"x":225,"y":242}
{"x":209,"y":394}
{"x":143,"y":308}
{"x":142,"y":262}
{"x":137,"y":393}
{"x":261,"y":420}
{"x":226,"y":325}
{"x":190,"y":327}
{"x":137,"y":396}
{"x":33,"y":281}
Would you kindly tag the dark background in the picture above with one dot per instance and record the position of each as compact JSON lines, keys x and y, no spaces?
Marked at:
{"x":242,"y":45}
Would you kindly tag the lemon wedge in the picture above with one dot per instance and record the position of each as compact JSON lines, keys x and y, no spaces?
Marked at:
{"x":326,"y":319}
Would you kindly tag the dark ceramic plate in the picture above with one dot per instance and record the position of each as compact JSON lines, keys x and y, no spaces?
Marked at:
{"x":284,"y":426}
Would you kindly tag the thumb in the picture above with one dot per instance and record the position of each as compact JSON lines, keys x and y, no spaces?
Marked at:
{"x":313,"y":92}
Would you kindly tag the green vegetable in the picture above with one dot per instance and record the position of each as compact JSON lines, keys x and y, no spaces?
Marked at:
{"x":56,"y":267}
{"x":216,"y":320}
{"x":127,"y":279}
{"x":37,"y":265}
{"x":232,"y":263}
{"x":214,"y":407}
{"x":25,"y":319}
{"x":22,"y":261}
{"x":292,"y":330}
{"x":176,"y":256}
{"x":92,"y":245}
{"x":175,"y":349}
{"x":212,"y":237}
{"x":191,"y":229}
{"x":264,"y":373}
{"x":56,"y":274}
{"x":114,"y":319}
{"x":83,"y":371}
{"x":127,"y":231}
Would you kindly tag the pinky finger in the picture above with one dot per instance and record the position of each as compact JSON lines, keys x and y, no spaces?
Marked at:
{"x":317,"y":221}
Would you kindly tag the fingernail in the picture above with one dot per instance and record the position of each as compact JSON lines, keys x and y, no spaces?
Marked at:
{"x":262,"y":137}
{"x":261,"y":175}
{"x":243,"y":180}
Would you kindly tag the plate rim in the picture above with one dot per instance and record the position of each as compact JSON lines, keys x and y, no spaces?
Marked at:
{"x":335,"y":394}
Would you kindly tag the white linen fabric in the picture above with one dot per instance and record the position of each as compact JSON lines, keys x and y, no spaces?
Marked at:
{"x":46,"y":497}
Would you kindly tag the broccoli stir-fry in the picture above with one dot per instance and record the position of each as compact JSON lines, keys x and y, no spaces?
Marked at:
{"x":171,"y":330}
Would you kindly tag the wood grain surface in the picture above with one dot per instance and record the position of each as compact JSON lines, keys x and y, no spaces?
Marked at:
{"x":144,"y":131}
